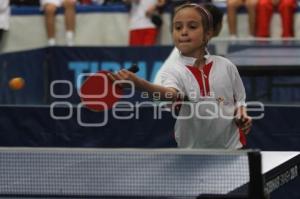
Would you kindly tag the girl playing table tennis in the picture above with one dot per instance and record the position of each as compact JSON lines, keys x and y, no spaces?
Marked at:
{"x":216,"y":107}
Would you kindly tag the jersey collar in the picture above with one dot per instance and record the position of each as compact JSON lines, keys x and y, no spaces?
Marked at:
{"x":189,"y":61}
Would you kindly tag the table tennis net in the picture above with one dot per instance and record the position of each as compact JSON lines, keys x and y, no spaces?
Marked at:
{"x":120,"y":173}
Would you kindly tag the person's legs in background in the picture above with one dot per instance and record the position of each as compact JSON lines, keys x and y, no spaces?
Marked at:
{"x":251,"y":8}
{"x":50,"y":12}
{"x":70,"y":18}
{"x":4,"y":20}
{"x":287,"y":10}
{"x":264,"y":14}
{"x":232,"y":7}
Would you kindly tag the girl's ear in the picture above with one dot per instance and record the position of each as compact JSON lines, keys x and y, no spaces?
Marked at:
{"x":209,"y":35}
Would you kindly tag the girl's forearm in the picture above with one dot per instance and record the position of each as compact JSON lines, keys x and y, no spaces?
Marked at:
{"x":166,"y":93}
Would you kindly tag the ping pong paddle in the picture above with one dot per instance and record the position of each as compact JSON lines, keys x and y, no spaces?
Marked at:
{"x":98,"y":93}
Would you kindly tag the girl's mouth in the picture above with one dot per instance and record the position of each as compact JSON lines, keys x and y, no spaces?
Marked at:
{"x":184,"y":40}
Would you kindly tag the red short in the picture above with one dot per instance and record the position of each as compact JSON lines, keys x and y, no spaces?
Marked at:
{"x":265,"y":11}
{"x":143,"y":37}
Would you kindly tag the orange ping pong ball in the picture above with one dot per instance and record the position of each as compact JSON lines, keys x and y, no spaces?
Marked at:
{"x":16,"y":83}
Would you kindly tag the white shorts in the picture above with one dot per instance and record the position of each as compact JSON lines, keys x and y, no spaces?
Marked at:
{"x":57,"y":3}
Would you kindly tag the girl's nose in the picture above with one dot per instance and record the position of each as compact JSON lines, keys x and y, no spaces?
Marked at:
{"x":184,"y":31}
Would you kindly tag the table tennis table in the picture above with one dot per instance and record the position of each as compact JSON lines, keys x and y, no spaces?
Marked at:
{"x":268,"y":59}
{"x":265,"y":61}
{"x":141,"y":173}
{"x":261,"y":57}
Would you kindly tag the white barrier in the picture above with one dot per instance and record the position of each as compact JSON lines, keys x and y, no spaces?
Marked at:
{"x":103,"y":29}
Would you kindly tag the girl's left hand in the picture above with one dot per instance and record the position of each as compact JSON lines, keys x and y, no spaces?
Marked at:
{"x":242,"y":120}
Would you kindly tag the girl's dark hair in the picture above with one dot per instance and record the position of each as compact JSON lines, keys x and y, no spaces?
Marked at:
{"x":205,"y":15}
{"x":216,"y":14}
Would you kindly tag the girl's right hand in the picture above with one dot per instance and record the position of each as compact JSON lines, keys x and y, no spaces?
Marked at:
{"x":124,"y":75}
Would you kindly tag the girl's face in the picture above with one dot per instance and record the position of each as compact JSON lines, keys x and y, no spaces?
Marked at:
{"x":188,"y":34}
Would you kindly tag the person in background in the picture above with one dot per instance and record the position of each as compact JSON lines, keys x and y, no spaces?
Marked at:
{"x":265,"y":9}
{"x":232,"y":8}
{"x":144,"y":22}
{"x":49,"y":7}
{"x":4,"y":17}
{"x":208,"y":82}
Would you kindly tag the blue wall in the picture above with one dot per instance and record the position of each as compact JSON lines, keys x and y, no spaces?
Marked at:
{"x":41,"y":67}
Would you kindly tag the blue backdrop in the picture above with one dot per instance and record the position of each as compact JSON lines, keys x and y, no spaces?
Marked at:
{"x":41,"y":67}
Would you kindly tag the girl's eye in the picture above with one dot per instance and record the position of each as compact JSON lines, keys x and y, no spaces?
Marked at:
{"x":178,"y":27}
{"x":193,"y":26}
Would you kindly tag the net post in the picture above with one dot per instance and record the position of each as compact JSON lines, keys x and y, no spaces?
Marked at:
{"x":256,"y":182}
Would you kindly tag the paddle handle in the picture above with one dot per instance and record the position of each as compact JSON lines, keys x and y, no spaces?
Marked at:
{"x":134,"y":68}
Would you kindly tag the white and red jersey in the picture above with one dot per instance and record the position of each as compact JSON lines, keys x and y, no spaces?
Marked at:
{"x":138,"y":18}
{"x":206,"y":121}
